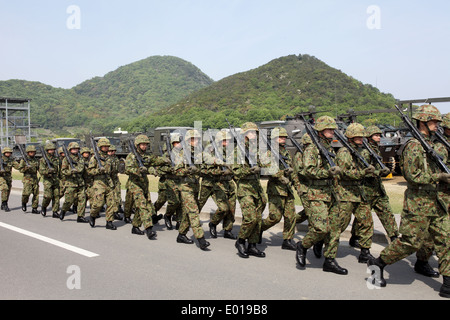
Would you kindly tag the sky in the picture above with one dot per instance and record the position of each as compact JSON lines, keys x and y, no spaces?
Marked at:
{"x":400,"y":47}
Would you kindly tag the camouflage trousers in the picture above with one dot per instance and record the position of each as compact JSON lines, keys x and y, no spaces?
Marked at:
{"x":188,"y":194}
{"x":224,"y":195}
{"x":167,"y":192}
{"x":75,"y":195}
{"x":281,"y":206}
{"x":5,"y":188}
{"x":302,"y":215}
{"x":51,"y":194}
{"x":383,"y":210}
{"x":141,"y":202}
{"x":422,"y":219}
{"x":318,"y":213}
{"x":340,"y":216}
{"x":30,"y":187}
{"x":101,"y":194}
{"x":252,"y":207}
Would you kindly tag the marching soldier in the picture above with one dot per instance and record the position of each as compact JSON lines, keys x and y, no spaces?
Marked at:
{"x":250,"y":194}
{"x":5,"y":177}
{"x":115,"y":175}
{"x":30,"y":167}
{"x":72,"y":171}
{"x":217,"y":181}
{"x":279,"y":190}
{"x":424,"y":213}
{"x":88,"y":179}
{"x":50,"y":174}
{"x":321,"y":196}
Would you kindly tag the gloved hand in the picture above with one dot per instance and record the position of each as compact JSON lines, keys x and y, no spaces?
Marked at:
{"x":285,"y":180}
{"x":334,"y":171}
{"x":384,"y":172}
{"x":255,"y":170}
{"x":444,"y":177}
{"x":369,"y":170}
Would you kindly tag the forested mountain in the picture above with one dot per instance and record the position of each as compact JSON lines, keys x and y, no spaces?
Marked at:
{"x":284,"y":86}
{"x":104,"y":103}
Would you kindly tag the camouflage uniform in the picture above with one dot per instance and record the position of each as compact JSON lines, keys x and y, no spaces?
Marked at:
{"x":51,"y":181}
{"x":320,"y":194}
{"x":250,"y":194}
{"x":103,"y":186}
{"x":6,"y":178}
{"x":188,"y":189}
{"x":279,"y":191}
{"x":217,"y":181}
{"x":424,"y":213}
{"x":74,"y":188}
{"x":301,"y":180}
{"x":115,"y":176}
{"x":88,"y":179}
{"x":30,"y":179}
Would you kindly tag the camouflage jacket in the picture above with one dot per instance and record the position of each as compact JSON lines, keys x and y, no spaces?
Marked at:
{"x":135,"y":176}
{"x":46,"y":173}
{"x":275,"y":185}
{"x":320,"y":183}
{"x":373,"y":185}
{"x":105,"y":176}
{"x":8,"y":164}
{"x":73,"y":178}
{"x":212,"y":169}
{"x":187,"y":179}
{"x":29,"y":172}
{"x":88,"y":179}
{"x":351,"y":178}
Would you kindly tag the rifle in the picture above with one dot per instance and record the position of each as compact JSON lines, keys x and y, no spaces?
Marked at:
{"x":425,"y":145}
{"x":216,"y":149}
{"x":96,"y":155}
{"x":187,"y":153}
{"x":315,"y":139}
{"x":24,"y":156}
{"x":442,"y":139}
{"x":136,"y":154}
{"x":354,"y":153}
{"x":44,"y":155}
{"x":169,"y":149}
{"x":278,"y":156}
{"x":69,"y":159}
{"x":241,"y":147}
{"x":296,"y":144}
{"x":373,"y":154}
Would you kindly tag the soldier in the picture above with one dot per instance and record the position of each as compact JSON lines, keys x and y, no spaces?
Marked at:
{"x":321,"y":196}
{"x":137,"y":186}
{"x":72,"y":171}
{"x":5,"y":177}
{"x":103,"y":186}
{"x":250,"y":193}
{"x":29,"y":167}
{"x":217,"y":181}
{"x":376,"y":195}
{"x":279,"y":190}
{"x":115,"y":175}
{"x":424,"y":213}
{"x":50,"y":173}
{"x":188,"y":188}
{"x":88,"y":179}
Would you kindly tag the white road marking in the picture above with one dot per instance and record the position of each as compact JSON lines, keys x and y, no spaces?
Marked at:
{"x":51,"y":241}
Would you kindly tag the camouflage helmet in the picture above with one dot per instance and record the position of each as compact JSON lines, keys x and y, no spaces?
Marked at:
{"x":222,"y":135}
{"x":427,"y":112}
{"x":103,"y":142}
{"x":306,"y":139}
{"x":174,"y":137}
{"x":248,"y":126}
{"x":142,"y":138}
{"x":49,"y":146}
{"x":30,"y":148}
{"x":112,"y":148}
{"x":325,"y":122}
{"x":371,"y":130}
{"x":192,"y":134}
{"x":60,"y":150}
{"x":73,"y":145}
{"x":355,"y":130}
{"x":446,"y":121}
{"x":85,"y":149}
{"x":6,"y":149}
{"x":279,"y":132}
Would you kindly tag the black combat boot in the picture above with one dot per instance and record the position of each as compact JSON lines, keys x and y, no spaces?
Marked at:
{"x":55,"y":215}
{"x":203,"y":243}
{"x":117,"y":216}
{"x":44,"y":211}
{"x":92,"y":221}
{"x":156,"y":218}
{"x":150,"y":233}
{"x":252,"y":250}
{"x":354,"y":242}
{"x":136,"y":230}
{"x":127,"y":220}
{"x":378,"y":277}
{"x":5,"y":206}
{"x":240,"y":246}
{"x":288,"y":244}
{"x":300,"y":255}
{"x":424,"y":268}
{"x":34,"y":211}
{"x":81,"y":219}
{"x":183,"y":239}
{"x":212,"y":230}
{"x":62,"y":215}
{"x":110,"y":225}
{"x":24,"y":207}
{"x":444,"y":292}
{"x":317,"y":249}
{"x":331,"y":265}
{"x":229,"y":235}
{"x":168,"y":222}
{"x":365,"y":256}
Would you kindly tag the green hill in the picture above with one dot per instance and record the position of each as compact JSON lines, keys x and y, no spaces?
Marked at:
{"x":284,"y":86}
{"x":104,"y":103}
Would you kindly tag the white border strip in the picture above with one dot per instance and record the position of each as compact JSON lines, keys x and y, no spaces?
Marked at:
{"x":51,"y":241}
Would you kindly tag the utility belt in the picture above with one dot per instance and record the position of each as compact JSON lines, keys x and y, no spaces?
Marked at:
{"x":351,"y":183}
{"x":218,"y":178}
{"x":189,"y":180}
{"x":325,"y":182}
{"x":171,"y":177}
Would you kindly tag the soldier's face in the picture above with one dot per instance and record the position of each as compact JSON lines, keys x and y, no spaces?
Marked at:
{"x":447,"y":131}
{"x":143,"y":146}
{"x":51,"y":152}
{"x":281,"y":141}
{"x":251,"y":135}
{"x":31,"y":153}
{"x":193,"y":142}
{"x":376,"y":137}
{"x":85,"y":155}
{"x":104,"y":148}
{"x":225,"y":142}
{"x":328,"y":133}
{"x":433,"y":125}
{"x":74,"y":151}
{"x":7,"y":154}
{"x":358,"y":140}
{"x":177,"y":145}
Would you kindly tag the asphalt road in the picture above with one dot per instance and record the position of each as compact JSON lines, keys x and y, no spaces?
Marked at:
{"x":95,"y":263}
